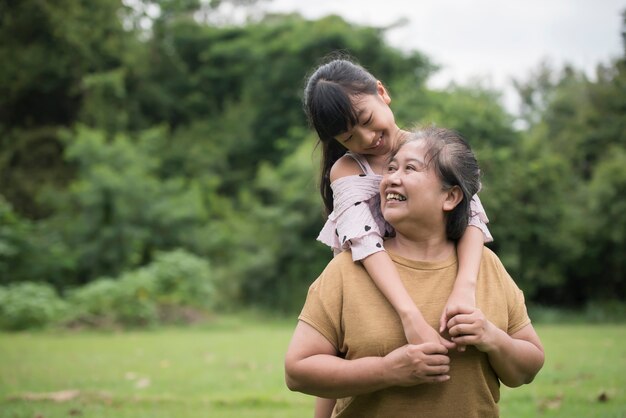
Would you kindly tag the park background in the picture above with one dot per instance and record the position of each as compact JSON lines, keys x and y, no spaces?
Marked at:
{"x":158,"y":181}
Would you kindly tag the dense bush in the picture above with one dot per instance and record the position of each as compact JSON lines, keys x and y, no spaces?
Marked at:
{"x":29,"y":305}
{"x":95,"y":303}
{"x":182,"y":279}
{"x":176,"y":287}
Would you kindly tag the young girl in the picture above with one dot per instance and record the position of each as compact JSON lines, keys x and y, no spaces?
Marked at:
{"x":349,"y":109}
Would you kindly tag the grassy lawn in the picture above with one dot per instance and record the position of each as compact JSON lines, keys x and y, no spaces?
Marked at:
{"x":234,"y":368}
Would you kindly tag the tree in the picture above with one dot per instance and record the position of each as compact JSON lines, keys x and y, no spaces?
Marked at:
{"x":48,"y":51}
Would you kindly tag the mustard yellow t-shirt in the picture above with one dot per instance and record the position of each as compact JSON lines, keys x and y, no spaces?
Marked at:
{"x":345,"y":306}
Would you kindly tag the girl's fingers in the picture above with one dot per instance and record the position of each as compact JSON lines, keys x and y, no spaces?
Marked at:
{"x":465,"y":340}
{"x":460,"y":319}
{"x":461,"y":329}
{"x":443,"y":320}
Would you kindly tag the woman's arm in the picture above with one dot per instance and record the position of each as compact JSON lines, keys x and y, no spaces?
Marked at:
{"x":516,"y":358}
{"x":385,"y":275}
{"x":312,"y":366}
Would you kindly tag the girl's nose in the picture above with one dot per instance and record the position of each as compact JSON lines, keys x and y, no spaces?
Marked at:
{"x":366,"y":134}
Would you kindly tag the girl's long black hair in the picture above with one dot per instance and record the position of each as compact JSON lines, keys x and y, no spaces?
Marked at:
{"x":329,"y":107}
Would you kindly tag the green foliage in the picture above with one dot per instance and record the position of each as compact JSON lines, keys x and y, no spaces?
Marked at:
{"x":13,"y":240}
{"x":135,"y":303}
{"x":95,"y":303}
{"x":29,"y":305}
{"x":580,"y":124}
{"x":524,"y":198}
{"x":120,"y":141}
{"x":182,"y":279}
{"x":121,"y":208}
{"x":27,"y":159}
{"x":46,"y":50}
{"x":476,"y":112}
{"x":167,"y":290}
{"x":276,"y":259}
{"x":605,"y":228}
{"x":30,"y":251}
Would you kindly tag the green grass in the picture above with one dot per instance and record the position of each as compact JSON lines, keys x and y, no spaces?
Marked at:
{"x":234,"y":368}
{"x":584,"y":375}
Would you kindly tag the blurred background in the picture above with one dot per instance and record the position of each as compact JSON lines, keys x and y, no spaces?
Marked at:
{"x":156,"y":164}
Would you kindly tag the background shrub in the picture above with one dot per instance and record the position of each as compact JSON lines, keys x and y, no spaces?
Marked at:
{"x":29,"y":305}
{"x":176,"y":287}
{"x":183,"y":279}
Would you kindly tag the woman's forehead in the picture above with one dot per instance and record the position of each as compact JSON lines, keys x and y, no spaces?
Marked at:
{"x":412,"y":149}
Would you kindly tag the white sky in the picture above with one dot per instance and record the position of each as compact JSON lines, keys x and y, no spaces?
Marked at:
{"x":489,"y":39}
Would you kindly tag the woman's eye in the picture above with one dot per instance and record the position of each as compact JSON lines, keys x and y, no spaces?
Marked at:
{"x":390,"y":169}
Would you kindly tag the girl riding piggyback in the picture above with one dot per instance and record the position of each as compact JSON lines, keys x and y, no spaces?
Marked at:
{"x":349,"y":109}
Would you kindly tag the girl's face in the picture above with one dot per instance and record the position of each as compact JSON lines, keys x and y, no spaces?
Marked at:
{"x":376,"y":129}
{"x":411,"y":192}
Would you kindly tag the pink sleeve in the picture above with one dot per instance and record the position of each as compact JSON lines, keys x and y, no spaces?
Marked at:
{"x":356,"y":222}
{"x":478,"y":217}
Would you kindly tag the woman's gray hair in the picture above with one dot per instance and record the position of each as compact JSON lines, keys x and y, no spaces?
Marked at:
{"x":455,"y":164}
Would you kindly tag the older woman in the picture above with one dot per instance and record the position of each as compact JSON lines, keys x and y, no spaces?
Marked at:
{"x":349,"y":345}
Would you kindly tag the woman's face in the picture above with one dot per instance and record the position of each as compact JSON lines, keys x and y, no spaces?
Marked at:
{"x":376,"y":128}
{"x":410,"y":190}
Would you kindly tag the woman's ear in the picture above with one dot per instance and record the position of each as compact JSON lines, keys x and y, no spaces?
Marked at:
{"x":453,"y":197}
{"x":382,"y":92}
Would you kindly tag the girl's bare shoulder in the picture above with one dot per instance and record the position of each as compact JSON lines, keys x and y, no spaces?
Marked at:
{"x":345,"y":166}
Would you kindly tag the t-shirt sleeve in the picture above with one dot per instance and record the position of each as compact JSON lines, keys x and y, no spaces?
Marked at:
{"x":322,"y":308}
{"x":518,"y":315}
{"x":478,"y":218}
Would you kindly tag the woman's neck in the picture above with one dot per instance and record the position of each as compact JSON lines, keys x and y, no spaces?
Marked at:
{"x":421,"y":248}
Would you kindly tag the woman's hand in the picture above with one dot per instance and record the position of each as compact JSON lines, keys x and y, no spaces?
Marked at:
{"x":413,"y":364}
{"x":515,"y":358}
{"x":468,"y":326}
{"x":417,"y":330}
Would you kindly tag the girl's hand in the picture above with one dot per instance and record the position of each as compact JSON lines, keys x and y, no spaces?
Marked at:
{"x":417,"y":331}
{"x":468,"y":326}
{"x":460,"y":297}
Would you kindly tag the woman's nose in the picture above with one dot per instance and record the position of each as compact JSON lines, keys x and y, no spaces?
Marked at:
{"x":393,"y":178}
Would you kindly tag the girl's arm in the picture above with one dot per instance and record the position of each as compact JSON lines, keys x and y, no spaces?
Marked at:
{"x":385,"y":275}
{"x":324,"y":407}
{"x":469,"y":252}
